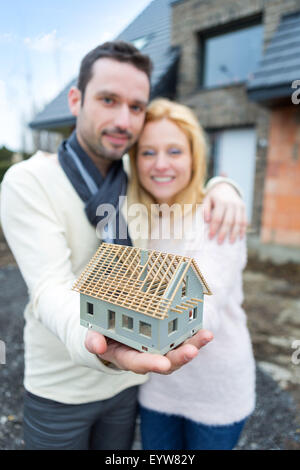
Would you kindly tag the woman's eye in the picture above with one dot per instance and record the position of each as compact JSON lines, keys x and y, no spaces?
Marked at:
{"x":148,"y":152}
{"x":174,"y":151}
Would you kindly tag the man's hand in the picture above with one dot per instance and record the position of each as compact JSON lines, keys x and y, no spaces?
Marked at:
{"x":225,"y":211}
{"x":126,"y":358}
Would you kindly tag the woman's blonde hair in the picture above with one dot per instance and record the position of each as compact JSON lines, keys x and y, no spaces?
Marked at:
{"x":185,"y":119}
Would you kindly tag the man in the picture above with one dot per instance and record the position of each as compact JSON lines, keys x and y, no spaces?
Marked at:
{"x":80,"y":387}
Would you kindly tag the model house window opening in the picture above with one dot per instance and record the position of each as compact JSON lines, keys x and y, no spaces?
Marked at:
{"x":172,"y":326}
{"x":111,"y":320}
{"x":127,"y":322}
{"x":192,"y":314}
{"x":145,"y":329}
{"x":183,"y":289}
{"x":90,"y":308}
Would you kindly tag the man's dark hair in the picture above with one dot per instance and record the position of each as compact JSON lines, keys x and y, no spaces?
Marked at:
{"x":117,"y":50}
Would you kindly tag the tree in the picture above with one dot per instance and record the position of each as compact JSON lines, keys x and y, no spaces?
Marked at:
{"x":5,"y":154}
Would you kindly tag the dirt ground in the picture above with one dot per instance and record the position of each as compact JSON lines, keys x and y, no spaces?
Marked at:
{"x":272,"y":302}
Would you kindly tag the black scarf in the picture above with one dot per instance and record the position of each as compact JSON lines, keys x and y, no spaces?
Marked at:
{"x":93,"y":189}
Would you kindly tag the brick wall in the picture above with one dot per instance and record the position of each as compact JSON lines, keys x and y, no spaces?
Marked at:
{"x":229,"y":106}
{"x":281,"y":207}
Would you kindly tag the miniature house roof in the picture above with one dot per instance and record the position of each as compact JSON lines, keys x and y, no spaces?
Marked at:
{"x":142,"y":280}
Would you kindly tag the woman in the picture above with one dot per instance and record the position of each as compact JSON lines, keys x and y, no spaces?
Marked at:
{"x":203,"y":405}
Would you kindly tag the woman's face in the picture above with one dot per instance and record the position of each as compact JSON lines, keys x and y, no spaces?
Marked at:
{"x":164,"y":160}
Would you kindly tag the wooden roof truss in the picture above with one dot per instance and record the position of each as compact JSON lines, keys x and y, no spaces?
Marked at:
{"x":116,"y":274}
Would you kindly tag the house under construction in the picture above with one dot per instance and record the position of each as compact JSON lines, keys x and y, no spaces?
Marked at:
{"x":149,"y":300}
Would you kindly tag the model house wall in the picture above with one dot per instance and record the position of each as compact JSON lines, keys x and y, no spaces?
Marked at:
{"x":118,"y":326}
{"x":143,"y":332}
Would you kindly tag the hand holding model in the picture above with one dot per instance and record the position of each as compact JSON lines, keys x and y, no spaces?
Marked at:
{"x":126,"y":358}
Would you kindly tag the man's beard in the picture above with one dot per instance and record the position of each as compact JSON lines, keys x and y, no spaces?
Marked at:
{"x":101,"y":151}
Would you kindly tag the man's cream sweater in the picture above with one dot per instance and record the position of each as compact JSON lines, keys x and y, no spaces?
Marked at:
{"x":44,"y":222}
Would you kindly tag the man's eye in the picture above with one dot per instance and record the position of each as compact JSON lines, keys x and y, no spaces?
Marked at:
{"x":136,"y":108}
{"x":107,"y":100}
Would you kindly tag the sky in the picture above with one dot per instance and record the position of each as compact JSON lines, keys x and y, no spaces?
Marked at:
{"x":41,"y":45}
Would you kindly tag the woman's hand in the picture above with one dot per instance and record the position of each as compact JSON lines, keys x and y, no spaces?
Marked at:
{"x":126,"y":358}
{"x":225,"y":211}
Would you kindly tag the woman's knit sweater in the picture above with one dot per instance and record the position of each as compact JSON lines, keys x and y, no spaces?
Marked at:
{"x":218,"y":386}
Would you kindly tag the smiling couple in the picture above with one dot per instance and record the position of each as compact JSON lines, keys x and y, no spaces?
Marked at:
{"x":82,"y":391}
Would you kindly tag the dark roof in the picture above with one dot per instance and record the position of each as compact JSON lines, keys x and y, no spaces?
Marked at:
{"x":280,"y":65}
{"x":55,"y":114}
{"x":153,"y":24}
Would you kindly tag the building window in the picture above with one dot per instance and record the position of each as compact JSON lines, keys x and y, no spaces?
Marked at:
{"x":193,"y":314}
{"x":172,"y":326}
{"x":111,"y":320}
{"x":127,"y":322}
{"x":90,"y":308}
{"x":140,"y":42}
{"x":145,"y":329}
{"x":231,"y":57}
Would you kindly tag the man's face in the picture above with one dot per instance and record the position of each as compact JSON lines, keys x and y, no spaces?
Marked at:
{"x":112,"y":114}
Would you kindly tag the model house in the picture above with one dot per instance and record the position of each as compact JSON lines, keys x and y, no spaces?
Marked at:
{"x":149,"y":300}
